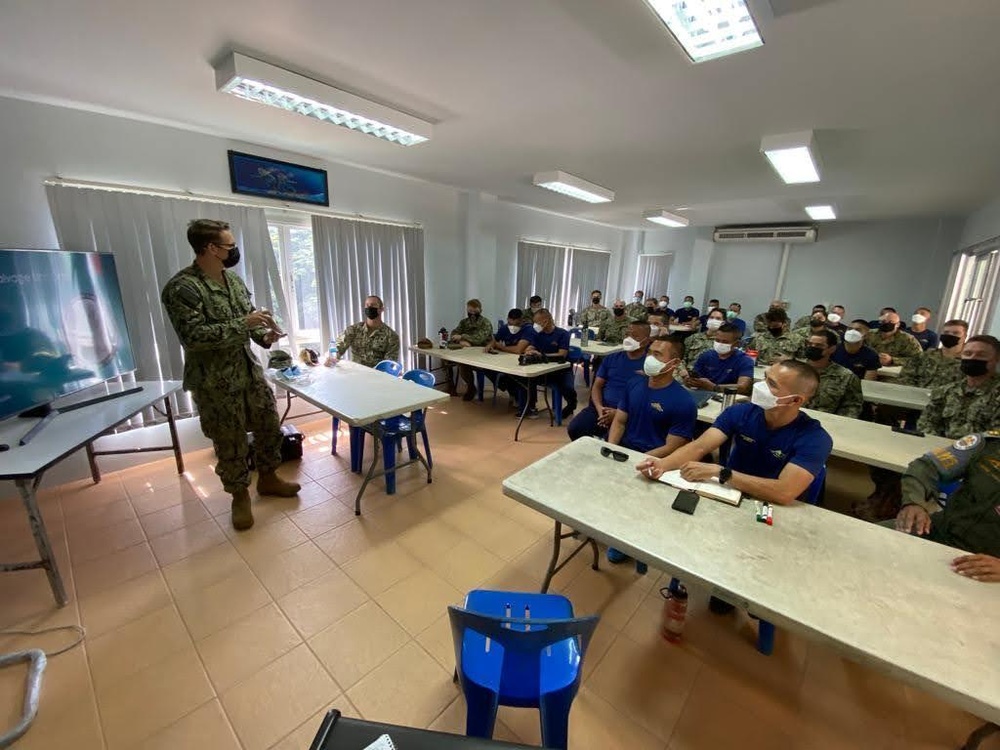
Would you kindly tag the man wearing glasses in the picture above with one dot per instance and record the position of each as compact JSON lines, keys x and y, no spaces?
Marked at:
{"x":211,"y":311}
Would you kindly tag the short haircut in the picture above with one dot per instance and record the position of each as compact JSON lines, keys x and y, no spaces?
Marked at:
{"x":832,"y":339}
{"x":641,"y":324}
{"x":861,"y":321}
{"x":985,"y":338}
{"x":676,"y":343}
{"x":728,"y":328}
{"x":805,"y":376}
{"x":963,"y":324}
{"x":776,"y":315}
{"x":715,"y":301}
{"x":888,"y":309}
{"x":819,"y":307}
{"x":543,"y":311}
{"x":925,"y":309}
{"x":717,"y":310}
{"x":375,"y":296}
{"x":203,"y":232}
{"x":737,"y":305}
{"x":596,"y":291}
{"x":474,"y":303}
{"x":689,"y":296}
{"x":515,"y":313}
{"x":535,"y":300}
{"x":840,"y":306}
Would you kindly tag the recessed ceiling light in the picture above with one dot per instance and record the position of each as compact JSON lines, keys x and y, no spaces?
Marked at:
{"x":574,"y":187}
{"x":261,"y":82}
{"x":707,"y":29}
{"x":821,"y":213}
{"x":667,"y":219}
{"x":793,"y":156}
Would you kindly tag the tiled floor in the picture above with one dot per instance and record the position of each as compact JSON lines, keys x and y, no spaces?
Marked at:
{"x":199,"y":637}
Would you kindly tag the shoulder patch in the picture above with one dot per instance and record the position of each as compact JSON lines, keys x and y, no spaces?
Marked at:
{"x":993,"y":433}
{"x":967,"y":443}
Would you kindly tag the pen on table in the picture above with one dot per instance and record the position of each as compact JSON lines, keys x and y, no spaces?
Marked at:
{"x":770,"y":518}
{"x":649,"y":470}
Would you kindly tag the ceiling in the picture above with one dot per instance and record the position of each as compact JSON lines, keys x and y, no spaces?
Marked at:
{"x":901,"y":94}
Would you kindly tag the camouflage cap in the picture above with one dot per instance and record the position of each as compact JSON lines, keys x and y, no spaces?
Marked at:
{"x":279,"y":360}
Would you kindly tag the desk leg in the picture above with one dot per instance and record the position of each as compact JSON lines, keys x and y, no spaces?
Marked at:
{"x":27,"y":489}
{"x":527,"y":385}
{"x":288,"y":408}
{"x":172,"y":425}
{"x":554,"y":565}
{"x":979,"y":735}
{"x":95,"y":471}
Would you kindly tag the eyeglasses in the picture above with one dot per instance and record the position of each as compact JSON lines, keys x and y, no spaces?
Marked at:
{"x":616,"y":455}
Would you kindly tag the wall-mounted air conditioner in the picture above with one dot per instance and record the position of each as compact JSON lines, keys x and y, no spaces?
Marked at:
{"x":793,"y":233}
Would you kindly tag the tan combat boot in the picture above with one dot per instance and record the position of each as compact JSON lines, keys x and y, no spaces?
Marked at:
{"x":271,"y":484}
{"x":242,"y":514}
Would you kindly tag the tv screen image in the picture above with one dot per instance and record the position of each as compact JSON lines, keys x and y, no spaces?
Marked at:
{"x":62,"y":326}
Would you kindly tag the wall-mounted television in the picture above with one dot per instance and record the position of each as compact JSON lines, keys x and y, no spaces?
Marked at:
{"x":281,"y":180}
{"x":62,"y":326}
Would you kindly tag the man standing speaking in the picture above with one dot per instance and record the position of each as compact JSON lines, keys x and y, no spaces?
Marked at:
{"x":211,"y":311}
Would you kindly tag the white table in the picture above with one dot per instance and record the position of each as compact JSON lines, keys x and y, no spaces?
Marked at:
{"x":503,"y":363}
{"x":66,"y":432}
{"x":362,"y":397}
{"x":596,"y":348}
{"x":882,"y":392}
{"x":884,"y":598}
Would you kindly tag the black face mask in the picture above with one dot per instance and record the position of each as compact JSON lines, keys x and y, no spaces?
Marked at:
{"x":776,"y":330}
{"x":974,"y":367}
{"x":814,"y":353}
{"x":948,"y":340}
{"x":371,"y":313}
{"x":596,"y":300}
{"x":473,"y":315}
{"x":886,"y":327}
{"x":232,"y":258}
{"x":619,"y":312}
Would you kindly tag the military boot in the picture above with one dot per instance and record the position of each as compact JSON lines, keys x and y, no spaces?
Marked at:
{"x":242,"y":514}
{"x":271,"y":484}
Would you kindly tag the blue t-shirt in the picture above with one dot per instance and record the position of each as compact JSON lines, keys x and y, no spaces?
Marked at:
{"x":550,"y":343}
{"x":505,"y":337}
{"x":685,"y":314}
{"x":655,"y":413}
{"x":928,"y":339}
{"x":618,"y":372}
{"x":862,"y":361}
{"x":723,"y":371}
{"x":761,"y":452}
{"x":739,"y":323}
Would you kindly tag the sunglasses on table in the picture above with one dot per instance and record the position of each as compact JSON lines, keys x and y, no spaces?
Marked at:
{"x":616,"y":455}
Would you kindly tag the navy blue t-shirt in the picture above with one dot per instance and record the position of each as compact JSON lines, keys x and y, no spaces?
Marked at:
{"x":550,"y":343}
{"x":862,"y":361}
{"x":723,"y":371}
{"x":618,"y":372}
{"x":505,"y":337}
{"x":761,"y":452}
{"x":928,"y":339}
{"x":655,"y":413}
{"x":739,"y":323}
{"x":686,"y":314}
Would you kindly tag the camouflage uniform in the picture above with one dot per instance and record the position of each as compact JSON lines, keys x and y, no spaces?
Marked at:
{"x":637,"y":311}
{"x":769,"y":347}
{"x":803,"y":322}
{"x":594,"y":317}
{"x":613,"y":331}
{"x":222,"y":373}
{"x":839,"y":392}
{"x":369,"y":346}
{"x":759,"y":324}
{"x":930,"y":369}
{"x":694,"y":346}
{"x":477,"y":332}
{"x":901,"y":346}
{"x":955,"y":410}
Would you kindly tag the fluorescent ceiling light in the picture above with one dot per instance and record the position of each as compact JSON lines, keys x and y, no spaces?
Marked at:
{"x":667,"y":219}
{"x":821,"y":213}
{"x":574,"y":187}
{"x":707,"y":29}
{"x":261,"y":82}
{"x":793,"y":156}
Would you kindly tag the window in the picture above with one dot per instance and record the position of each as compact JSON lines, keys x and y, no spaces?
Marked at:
{"x":973,"y":293}
{"x":562,"y":276}
{"x":297,"y":267}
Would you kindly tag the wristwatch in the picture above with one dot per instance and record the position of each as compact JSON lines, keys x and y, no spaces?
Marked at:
{"x":725,"y":473}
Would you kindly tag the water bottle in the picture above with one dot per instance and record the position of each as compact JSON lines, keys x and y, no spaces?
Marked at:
{"x":570,"y":317}
{"x":675,"y":603}
{"x":443,"y":333}
{"x":331,"y":355}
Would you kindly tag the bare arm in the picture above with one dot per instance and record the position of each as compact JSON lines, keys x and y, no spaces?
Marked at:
{"x":597,"y":393}
{"x":785,"y":490}
{"x":711,"y":439}
{"x":744,"y":386}
{"x":871,"y":374}
{"x":617,"y":430}
{"x":674,"y":442}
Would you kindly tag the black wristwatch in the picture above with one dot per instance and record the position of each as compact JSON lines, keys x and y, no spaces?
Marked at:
{"x":725,"y":473}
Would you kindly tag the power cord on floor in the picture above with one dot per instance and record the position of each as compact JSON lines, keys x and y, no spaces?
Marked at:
{"x":37,"y":659}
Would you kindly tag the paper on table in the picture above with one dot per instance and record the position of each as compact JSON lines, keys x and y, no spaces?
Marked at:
{"x":713,"y":490}
{"x":382,"y":743}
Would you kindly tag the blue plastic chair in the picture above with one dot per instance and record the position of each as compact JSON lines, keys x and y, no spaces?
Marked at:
{"x":389,"y":367}
{"x":585,"y":357}
{"x":519,"y":649}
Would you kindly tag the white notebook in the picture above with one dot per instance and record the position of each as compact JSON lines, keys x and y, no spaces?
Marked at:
{"x":382,"y":743}
{"x":710,"y":489}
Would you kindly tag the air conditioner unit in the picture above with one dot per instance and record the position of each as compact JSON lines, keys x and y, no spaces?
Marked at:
{"x":794,"y":233}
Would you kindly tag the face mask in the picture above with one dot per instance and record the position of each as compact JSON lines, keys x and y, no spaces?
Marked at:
{"x":654,"y":331}
{"x":688,"y":303}
{"x":371,"y":313}
{"x":232,"y":257}
{"x":776,"y":330}
{"x":853,"y":336}
{"x":472,"y":315}
{"x":596,"y":300}
{"x":652,"y":366}
{"x":817,"y":321}
{"x":663,"y":304}
{"x":619,"y":312}
{"x":513,"y":329}
{"x":732,"y":314}
{"x":538,"y":327}
{"x":833,"y":318}
{"x":919,"y":319}
{"x":948,"y":340}
{"x":638,"y":298}
{"x":713,"y":324}
{"x":761,"y":396}
{"x":814,"y":353}
{"x":630,"y":344}
{"x":721,"y":348}
{"x":886,"y":327}
{"x":974,"y":367}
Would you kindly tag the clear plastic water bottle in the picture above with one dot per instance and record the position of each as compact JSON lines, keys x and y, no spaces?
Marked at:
{"x":331,"y":355}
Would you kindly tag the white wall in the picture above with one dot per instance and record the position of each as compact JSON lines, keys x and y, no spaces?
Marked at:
{"x":746,"y":274}
{"x":982,"y":225}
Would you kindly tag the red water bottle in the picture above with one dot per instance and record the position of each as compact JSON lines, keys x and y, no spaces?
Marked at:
{"x":675,"y":604}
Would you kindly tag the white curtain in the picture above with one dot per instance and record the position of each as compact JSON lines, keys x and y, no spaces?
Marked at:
{"x":148,"y":237}
{"x":355,"y":259}
{"x":588,"y":270}
{"x":653,"y":274}
{"x":562,"y":276}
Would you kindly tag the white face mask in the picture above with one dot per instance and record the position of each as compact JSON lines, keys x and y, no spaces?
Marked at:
{"x":919,"y":319}
{"x":833,"y":318}
{"x":638,"y":299}
{"x":713,"y":324}
{"x":513,"y":329}
{"x":761,"y":396}
{"x":853,"y":336}
{"x":630,"y":344}
{"x":654,"y":331}
{"x":721,"y":348}
{"x":663,"y":304}
{"x":538,"y":327}
{"x":652,"y":366}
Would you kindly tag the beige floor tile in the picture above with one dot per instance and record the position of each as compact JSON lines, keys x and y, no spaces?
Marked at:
{"x":438,"y":642}
{"x":321,"y":518}
{"x":153,"y":500}
{"x":466,"y":565}
{"x":84,"y":493}
{"x":105,"y":572}
{"x":312,"y":494}
{"x":356,"y":644}
{"x":452,"y":721}
{"x":186,"y":541}
{"x":276,"y":700}
{"x":292,"y":568}
{"x":248,"y":645}
{"x":418,"y":600}
{"x":265,"y":541}
{"x":205,"y":727}
{"x":613,"y":594}
{"x":429,"y":539}
{"x":381,"y":567}
{"x":202,"y":569}
{"x":209,"y":610}
{"x":153,"y":699}
{"x":351,"y":540}
{"x":66,"y":687}
{"x":173,"y":518}
{"x":122,"y":652}
{"x":116,"y":606}
{"x":303,"y":736}
{"x":396,"y":517}
{"x":83,"y":516}
{"x":496,"y":533}
{"x":409,"y":688}
{"x":322,"y":602}
{"x":93,"y":543}
{"x":938,"y":724}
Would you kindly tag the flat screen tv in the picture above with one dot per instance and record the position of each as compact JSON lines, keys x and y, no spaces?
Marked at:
{"x":62,"y":326}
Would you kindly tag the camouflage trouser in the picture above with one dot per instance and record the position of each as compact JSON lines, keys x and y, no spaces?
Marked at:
{"x":226,"y":418}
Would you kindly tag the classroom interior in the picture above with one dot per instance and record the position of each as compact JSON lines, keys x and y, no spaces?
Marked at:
{"x":202,"y":637}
